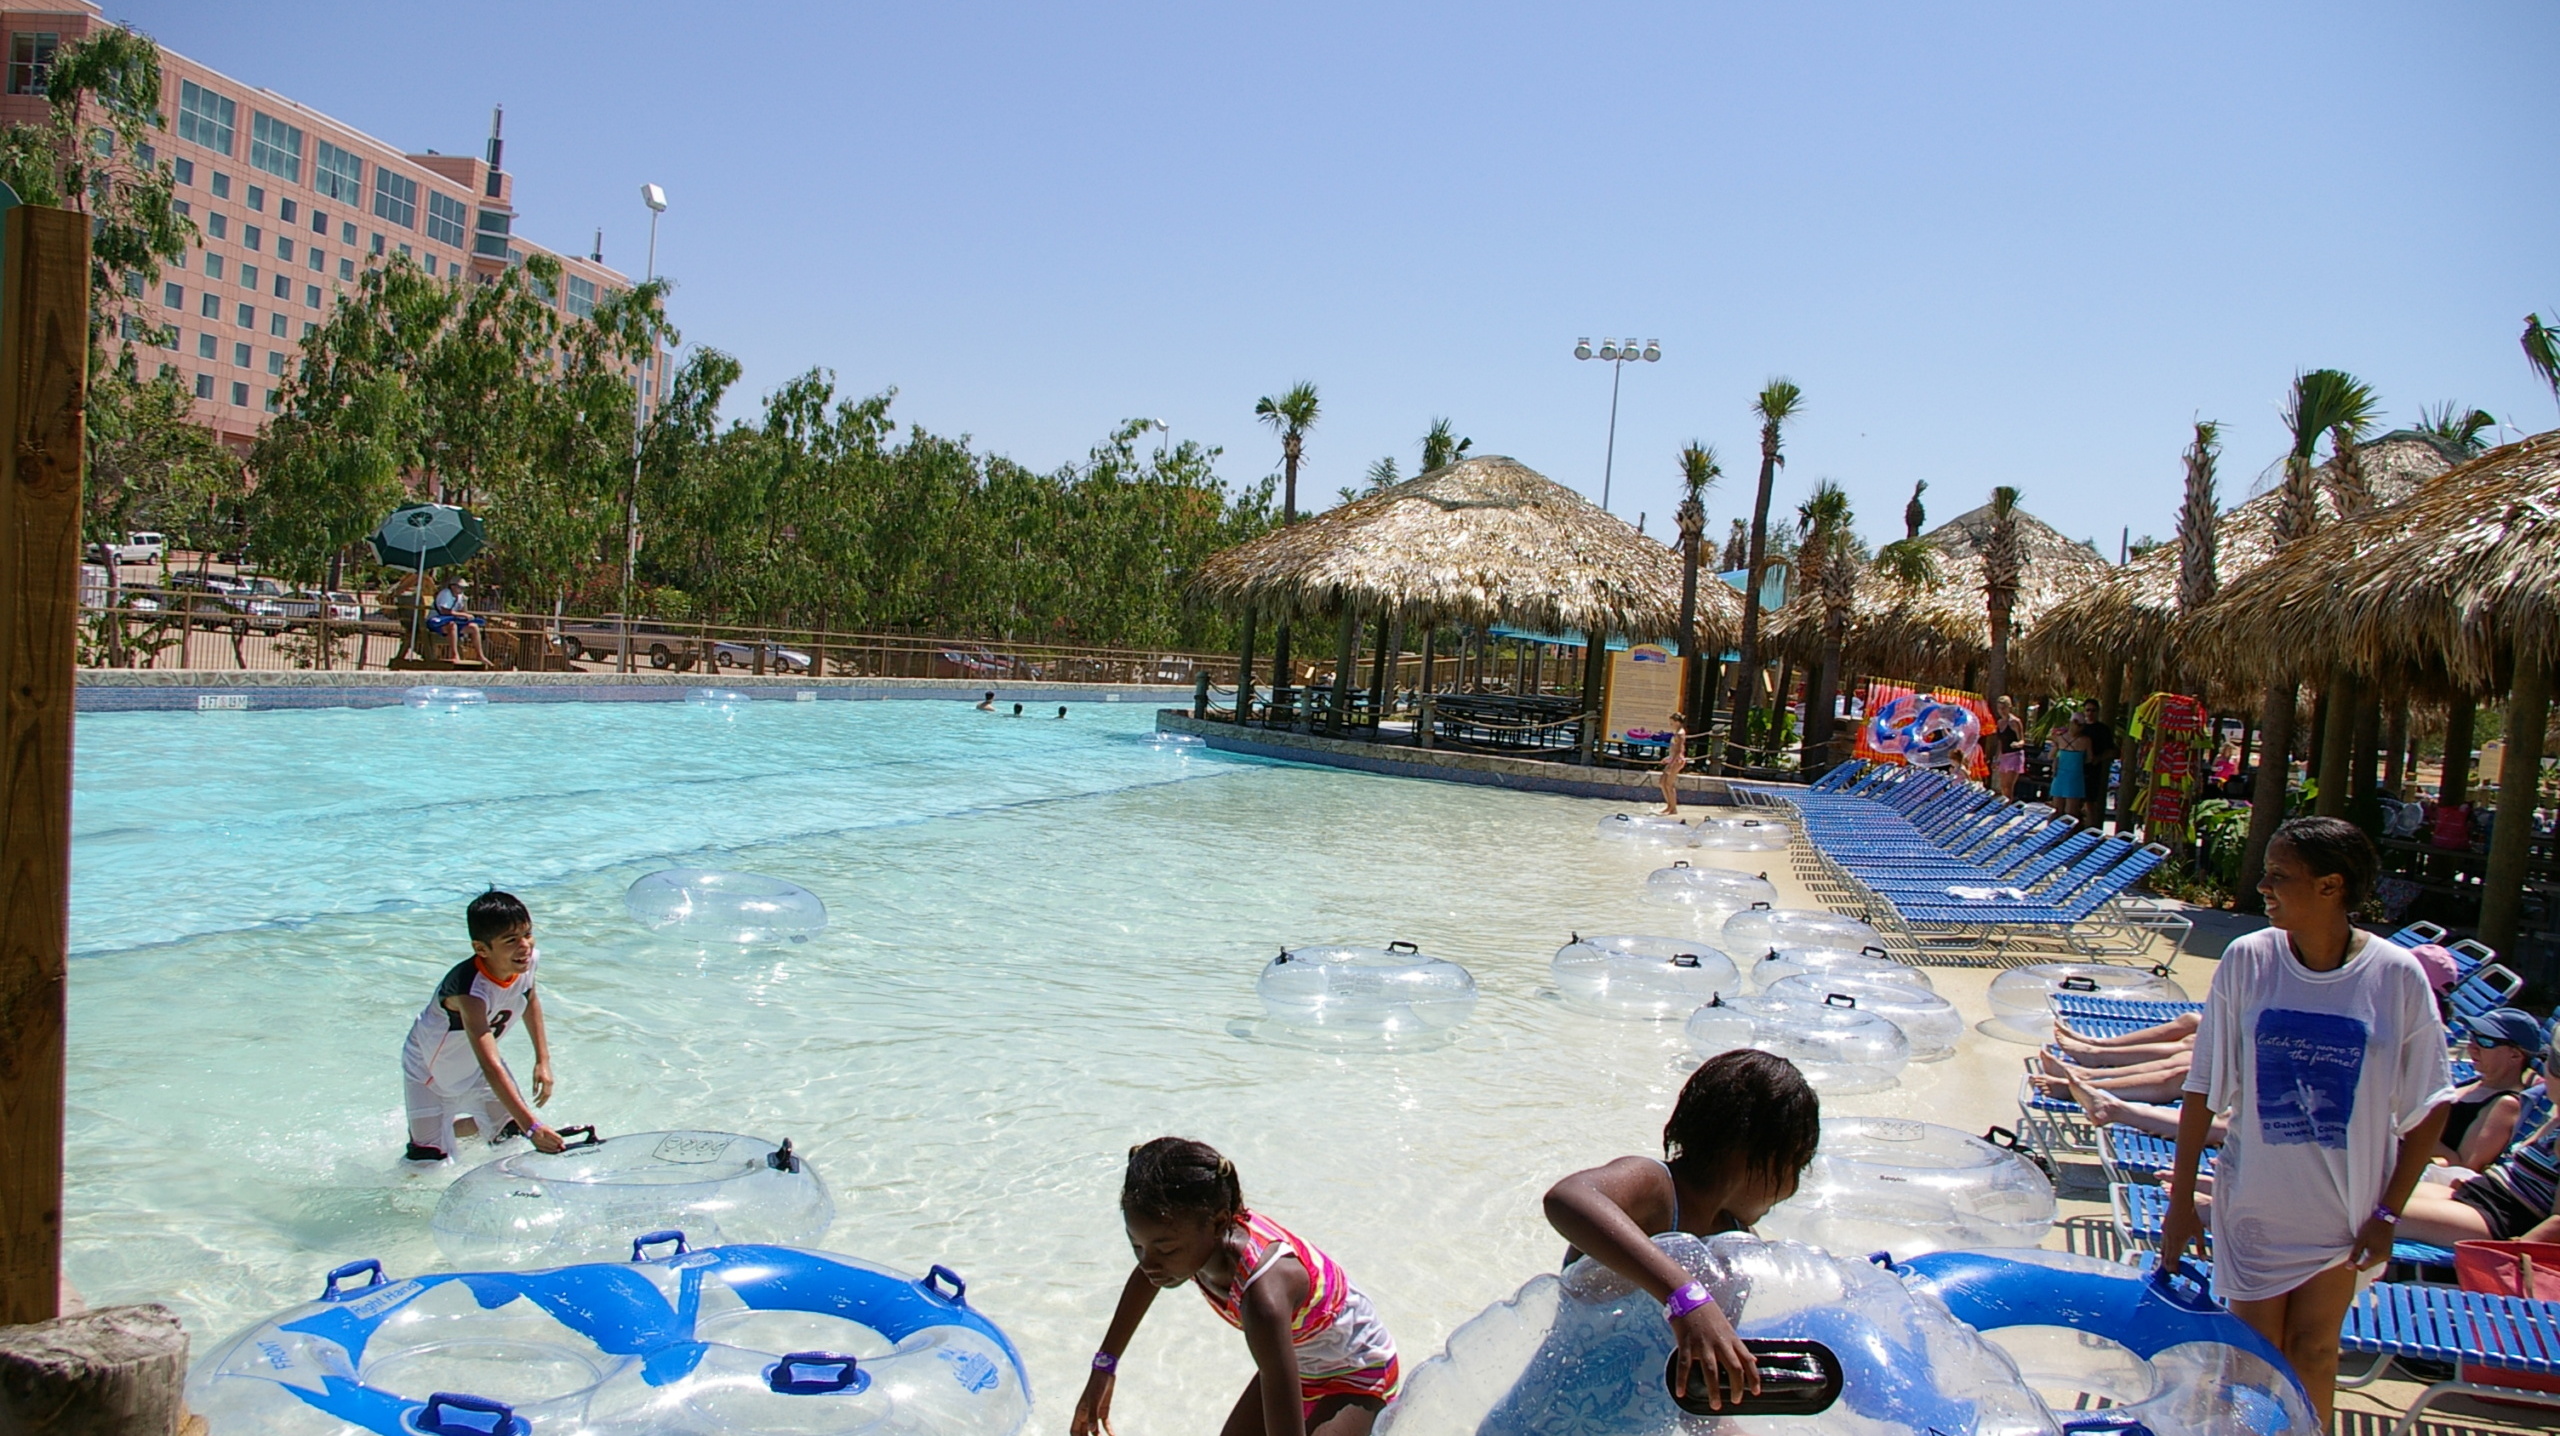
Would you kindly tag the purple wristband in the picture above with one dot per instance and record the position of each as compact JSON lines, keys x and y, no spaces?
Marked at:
{"x":1687,"y":1299}
{"x":2386,"y":1216}
{"x":1105,"y":1362}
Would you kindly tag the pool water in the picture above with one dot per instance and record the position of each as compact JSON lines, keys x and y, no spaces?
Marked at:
{"x":1043,"y":948}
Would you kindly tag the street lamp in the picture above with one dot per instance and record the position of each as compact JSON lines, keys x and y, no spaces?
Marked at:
{"x":1164,"y":444}
{"x":1617,"y":356}
{"x":656,"y":199}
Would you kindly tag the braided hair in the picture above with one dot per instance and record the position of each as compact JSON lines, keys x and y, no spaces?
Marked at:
{"x":1175,"y":1177}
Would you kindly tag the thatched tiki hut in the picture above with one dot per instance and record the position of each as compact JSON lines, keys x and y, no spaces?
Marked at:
{"x":2130,"y":615}
{"x":1482,"y":542}
{"x":2457,"y":585}
{"x":1940,"y":631}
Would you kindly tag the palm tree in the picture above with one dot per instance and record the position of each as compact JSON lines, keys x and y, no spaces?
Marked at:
{"x":1737,"y":547}
{"x":1698,"y":472}
{"x":1915,"y":513}
{"x":2463,"y":428}
{"x":2003,"y":568}
{"x":2352,"y":409}
{"x":2321,"y":400}
{"x":1910,"y":563}
{"x":2542,"y":351}
{"x":1290,"y":416}
{"x":2199,"y":520}
{"x":1442,"y":447}
{"x":1778,"y":401}
{"x":1827,"y":568}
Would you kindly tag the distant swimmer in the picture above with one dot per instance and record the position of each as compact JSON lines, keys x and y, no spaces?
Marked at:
{"x":458,"y":1085}
{"x":1062,"y":710}
{"x":1017,"y":710}
{"x":987,"y":704}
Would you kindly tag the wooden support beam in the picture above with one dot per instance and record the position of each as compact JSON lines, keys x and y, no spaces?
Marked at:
{"x":2511,"y":836}
{"x":44,"y":355}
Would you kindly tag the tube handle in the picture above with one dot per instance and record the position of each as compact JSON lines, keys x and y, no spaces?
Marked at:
{"x":640,"y":1244}
{"x":451,"y":1413}
{"x":959,"y":1289}
{"x":330,"y":1292}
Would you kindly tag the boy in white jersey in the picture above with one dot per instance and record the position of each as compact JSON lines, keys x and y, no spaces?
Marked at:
{"x":457,"y":1084}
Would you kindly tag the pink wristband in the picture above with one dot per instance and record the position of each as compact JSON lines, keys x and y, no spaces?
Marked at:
{"x":1687,"y":1299}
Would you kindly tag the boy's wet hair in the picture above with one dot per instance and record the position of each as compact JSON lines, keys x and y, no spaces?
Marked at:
{"x":2334,"y":845}
{"x":494,"y":914}
{"x":1745,"y":1109}
{"x":1175,"y":1177}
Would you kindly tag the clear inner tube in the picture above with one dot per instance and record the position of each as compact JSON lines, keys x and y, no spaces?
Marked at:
{"x":1756,"y":932}
{"x":706,"y":905}
{"x":725,"y":700}
{"x":1384,"y":991}
{"x":1743,"y":835}
{"x":1872,"y":964}
{"x":1887,"y":1184}
{"x":585,"y":1204}
{"x":1928,"y":1020}
{"x":1840,"y":1050}
{"x":2022,"y":997}
{"x":1651,"y":828}
{"x":439,"y":698}
{"x":1643,"y":978}
{"x":1709,"y":887}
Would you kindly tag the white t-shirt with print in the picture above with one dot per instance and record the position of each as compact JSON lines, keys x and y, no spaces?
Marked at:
{"x":2320,"y":1073}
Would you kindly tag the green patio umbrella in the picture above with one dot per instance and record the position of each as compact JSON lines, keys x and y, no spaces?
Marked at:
{"x":425,"y":536}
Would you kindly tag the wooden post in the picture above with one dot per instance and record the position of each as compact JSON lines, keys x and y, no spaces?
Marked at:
{"x":2338,"y":705}
{"x":1244,"y":670}
{"x":2453,"y":778}
{"x":2395,"y":758}
{"x":2519,"y":782}
{"x":117,"y":1371}
{"x":44,"y":355}
{"x":1200,"y":694}
{"x":1346,"y":666}
{"x":1595,"y":698}
{"x":2267,"y":797}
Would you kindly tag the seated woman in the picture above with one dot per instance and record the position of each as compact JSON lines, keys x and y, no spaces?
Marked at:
{"x":2482,"y":1118}
{"x":2516,"y":1199}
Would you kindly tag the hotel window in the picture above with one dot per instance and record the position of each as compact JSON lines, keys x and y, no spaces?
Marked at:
{"x":275,"y":324}
{"x":240,"y":355}
{"x":404,"y":252}
{"x":444,"y":219}
{"x":31,"y":60}
{"x":247,"y":318}
{"x":212,"y":306}
{"x":346,"y":268}
{"x":212,"y":266}
{"x":174,"y":295}
{"x":183,"y":170}
{"x":309,"y":329}
{"x":275,"y":147}
{"x":346,"y":232}
{"x":272,"y":402}
{"x":204,"y":386}
{"x":221,"y":185}
{"x":431,"y":264}
{"x":133,"y":283}
{"x":204,"y":118}
{"x":102,"y":143}
{"x":207,"y":346}
{"x":317,"y":259}
{"x":286,"y":212}
{"x":395,"y":198}
{"x":320,"y":222}
{"x":248,"y":276}
{"x":284,"y":249}
{"x":240,"y":394}
{"x":337,"y":175}
{"x":493,"y":233}
{"x":169,"y":339}
{"x":541,"y":287}
{"x":311,"y":296}
{"x":218,"y":225}
{"x":178,"y":260}
{"x":377,"y":244}
{"x":257,"y":198}
{"x":275,"y":361}
{"x":283,"y":287}
{"x":182,"y":207}
{"x":252,"y":238}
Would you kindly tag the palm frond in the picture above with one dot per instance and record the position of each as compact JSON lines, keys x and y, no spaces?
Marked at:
{"x":1442,"y":447}
{"x":2459,"y":425}
{"x":1699,"y":469}
{"x":1291,"y":413}
{"x":2542,"y":351}
{"x":1910,"y":562}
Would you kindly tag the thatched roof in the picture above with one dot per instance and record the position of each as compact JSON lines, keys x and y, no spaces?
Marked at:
{"x":2460,"y":578}
{"x":2132,"y":612}
{"x":1485,"y":540}
{"x":1934,"y":632}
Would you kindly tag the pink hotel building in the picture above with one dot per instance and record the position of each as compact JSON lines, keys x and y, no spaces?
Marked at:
{"x":289,"y":206}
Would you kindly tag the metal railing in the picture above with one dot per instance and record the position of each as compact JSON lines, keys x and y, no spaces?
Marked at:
{"x":190,"y":629}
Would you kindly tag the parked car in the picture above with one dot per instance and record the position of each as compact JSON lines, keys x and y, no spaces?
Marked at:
{"x":777,"y":658}
{"x":141,"y":546}
{"x":973,"y":661}
{"x":600,"y":639}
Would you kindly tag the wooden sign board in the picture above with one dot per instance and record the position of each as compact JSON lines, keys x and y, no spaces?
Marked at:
{"x":1645,"y":683}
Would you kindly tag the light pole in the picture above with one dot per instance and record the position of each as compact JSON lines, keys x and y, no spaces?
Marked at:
{"x":1165,"y":444}
{"x":656,"y":199}
{"x":1618,"y":357}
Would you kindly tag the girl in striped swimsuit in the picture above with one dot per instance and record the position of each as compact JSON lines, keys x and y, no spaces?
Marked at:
{"x":1326,"y":1364}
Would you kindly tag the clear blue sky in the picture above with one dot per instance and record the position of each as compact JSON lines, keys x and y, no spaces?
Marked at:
{"x":2022,"y":243}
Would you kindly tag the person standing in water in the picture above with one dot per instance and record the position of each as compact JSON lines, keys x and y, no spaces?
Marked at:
{"x":1675,"y":757}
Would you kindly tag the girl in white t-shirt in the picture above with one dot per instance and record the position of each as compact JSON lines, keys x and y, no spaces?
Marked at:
{"x":2322,"y":1046}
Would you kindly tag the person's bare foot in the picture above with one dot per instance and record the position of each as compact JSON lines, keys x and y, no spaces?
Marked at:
{"x":2102,"y":1108}
{"x":2055,"y":1067}
{"x":2050,"y":1086}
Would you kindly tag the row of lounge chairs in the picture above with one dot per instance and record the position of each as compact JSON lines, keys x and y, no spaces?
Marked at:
{"x":2418,"y":1317}
{"x":1965,"y":875}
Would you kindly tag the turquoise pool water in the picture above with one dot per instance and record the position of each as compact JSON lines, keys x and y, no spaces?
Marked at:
{"x":1043,"y":949}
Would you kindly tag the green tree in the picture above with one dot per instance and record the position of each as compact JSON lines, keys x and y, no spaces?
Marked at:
{"x":2465,"y":428}
{"x":1289,"y":414}
{"x":2542,"y":351}
{"x":1827,"y":563}
{"x":2003,"y":570}
{"x":1442,"y":447}
{"x":1778,"y":401}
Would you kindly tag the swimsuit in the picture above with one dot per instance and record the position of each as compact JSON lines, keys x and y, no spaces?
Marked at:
{"x":2459,"y":1115}
{"x":438,"y":1068}
{"x":2068,"y":781}
{"x":1343,"y":1349}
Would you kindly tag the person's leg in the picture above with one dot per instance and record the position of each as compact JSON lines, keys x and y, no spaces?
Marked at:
{"x":1344,"y":1416}
{"x":1670,"y":792}
{"x":1246,"y":1418}
{"x":2303,"y":1324}
{"x":2139,"y":1055}
{"x":430,"y":1127}
{"x":2438,"y":1216}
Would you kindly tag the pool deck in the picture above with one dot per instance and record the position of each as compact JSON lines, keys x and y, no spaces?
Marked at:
{"x":1527,"y":775}
{"x":122,"y":690}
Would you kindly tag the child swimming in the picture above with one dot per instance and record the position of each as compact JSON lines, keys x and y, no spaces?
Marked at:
{"x":1740,"y":1136}
{"x":1324,"y":1361}
{"x":457,"y":1084}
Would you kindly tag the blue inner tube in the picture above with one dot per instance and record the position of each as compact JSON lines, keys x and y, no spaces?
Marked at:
{"x":680,"y":1343}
